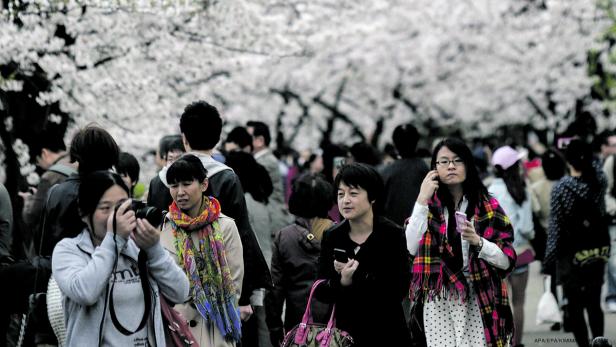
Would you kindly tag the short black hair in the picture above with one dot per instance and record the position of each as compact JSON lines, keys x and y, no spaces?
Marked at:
{"x":201,"y":124}
{"x":50,"y":139}
{"x":128,"y":165}
{"x":92,"y":186}
{"x":240,"y":136}
{"x":170,"y":143}
{"x":405,"y":138}
{"x":365,"y":153}
{"x":359,"y":175}
{"x":312,"y":196}
{"x":95,"y":149}
{"x":187,"y":168}
{"x":553,"y":164}
{"x":254,"y":177}
{"x":260,"y":129}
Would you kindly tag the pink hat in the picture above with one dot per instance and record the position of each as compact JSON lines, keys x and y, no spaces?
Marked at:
{"x":506,"y":156}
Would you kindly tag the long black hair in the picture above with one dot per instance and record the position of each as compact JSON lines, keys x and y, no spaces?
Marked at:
{"x":473,"y":187}
{"x":516,"y":186}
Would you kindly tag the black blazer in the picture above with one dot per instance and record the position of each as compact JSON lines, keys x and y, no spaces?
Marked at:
{"x":370,"y":309}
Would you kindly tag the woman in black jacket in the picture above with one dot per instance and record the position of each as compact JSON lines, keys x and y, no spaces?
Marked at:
{"x":295,"y":256}
{"x":369,"y":286}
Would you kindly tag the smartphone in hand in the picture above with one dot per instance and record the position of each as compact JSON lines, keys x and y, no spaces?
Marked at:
{"x":460,"y":219}
{"x":341,"y":255}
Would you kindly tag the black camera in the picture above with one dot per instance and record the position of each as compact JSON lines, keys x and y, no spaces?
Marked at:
{"x":152,"y":214}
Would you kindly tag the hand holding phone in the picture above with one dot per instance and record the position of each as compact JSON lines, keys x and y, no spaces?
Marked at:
{"x":460,"y":220}
{"x":340,"y":255}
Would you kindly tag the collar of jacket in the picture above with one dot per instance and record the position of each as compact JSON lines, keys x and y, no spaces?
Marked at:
{"x":84,"y":243}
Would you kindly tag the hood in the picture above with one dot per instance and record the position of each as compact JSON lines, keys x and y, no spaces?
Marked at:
{"x":211,"y":165}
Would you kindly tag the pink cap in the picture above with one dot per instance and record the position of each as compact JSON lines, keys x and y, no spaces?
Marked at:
{"x":506,"y":156}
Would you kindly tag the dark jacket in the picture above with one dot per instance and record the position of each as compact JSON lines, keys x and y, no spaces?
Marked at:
{"x":33,"y":207}
{"x":158,"y":194}
{"x":370,"y":309}
{"x":295,"y":260}
{"x":61,"y":215}
{"x":577,"y":222}
{"x":402,"y":182}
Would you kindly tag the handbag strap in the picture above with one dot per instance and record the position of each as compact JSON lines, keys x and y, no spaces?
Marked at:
{"x":307,"y":314}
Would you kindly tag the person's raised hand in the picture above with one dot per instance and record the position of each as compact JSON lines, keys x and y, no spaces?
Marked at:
{"x":346,"y":275}
{"x":125,"y":220}
{"x":145,"y":235}
{"x":429,"y":185}
{"x":469,"y":234}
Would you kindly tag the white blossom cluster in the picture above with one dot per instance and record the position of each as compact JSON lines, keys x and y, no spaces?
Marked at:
{"x":476,"y":64}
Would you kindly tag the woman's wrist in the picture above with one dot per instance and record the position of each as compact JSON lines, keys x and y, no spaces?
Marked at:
{"x":479,"y":244}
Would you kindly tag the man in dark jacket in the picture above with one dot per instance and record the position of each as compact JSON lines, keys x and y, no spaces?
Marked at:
{"x":403,"y":177}
{"x":52,"y":157}
{"x":201,"y":126}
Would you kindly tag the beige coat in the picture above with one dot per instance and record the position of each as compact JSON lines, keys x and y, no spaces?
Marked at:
{"x":205,"y":332}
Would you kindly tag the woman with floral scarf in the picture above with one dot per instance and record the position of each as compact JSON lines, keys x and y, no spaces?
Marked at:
{"x":459,"y":270}
{"x":208,"y":247}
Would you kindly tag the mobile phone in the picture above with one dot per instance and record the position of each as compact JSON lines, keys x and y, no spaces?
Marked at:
{"x":340,"y":255}
{"x":460,"y":219}
{"x":563,"y":142}
{"x":339,"y":162}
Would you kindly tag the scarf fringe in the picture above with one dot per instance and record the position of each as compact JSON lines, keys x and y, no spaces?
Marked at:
{"x":432,"y":287}
{"x":227,"y":322}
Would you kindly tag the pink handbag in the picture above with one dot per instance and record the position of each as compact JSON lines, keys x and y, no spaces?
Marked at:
{"x":309,"y":334}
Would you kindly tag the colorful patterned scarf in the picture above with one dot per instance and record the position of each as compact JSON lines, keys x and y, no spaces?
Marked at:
{"x":211,"y":285}
{"x":432,"y":278}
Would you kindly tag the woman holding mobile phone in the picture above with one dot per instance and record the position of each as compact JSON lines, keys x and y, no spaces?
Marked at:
{"x":369,"y":287}
{"x":458,"y":271}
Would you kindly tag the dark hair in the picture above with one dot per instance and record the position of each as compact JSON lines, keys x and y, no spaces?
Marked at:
{"x":50,"y":139}
{"x":553,"y":164}
{"x":365,"y":153}
{"x":312,"y":196}
{"x":579,"y":155}
{"x":187,"y":168}
{"x":363,"y":176}
{"x":92,"y":186}
{"x":201,"y":124}
{"x":128,"y":165}
{"x":240,"y":136}
{"x":516,"y":186}
{"x":260,"y":129}
{"x":405,"y":138}
{"x":473,"y":188}
{"x":95,"y":149}
{"x":253,"y":176}
{"x":172,"y":143}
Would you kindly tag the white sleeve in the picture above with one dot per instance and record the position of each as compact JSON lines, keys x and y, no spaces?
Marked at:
{"x":417,"y":226}
{"x":491,"y":253}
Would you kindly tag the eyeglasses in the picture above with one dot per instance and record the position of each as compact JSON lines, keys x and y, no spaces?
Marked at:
{"x":446,"y":162}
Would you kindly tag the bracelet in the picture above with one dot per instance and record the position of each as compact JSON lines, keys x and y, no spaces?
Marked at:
{"x":480,"y":244}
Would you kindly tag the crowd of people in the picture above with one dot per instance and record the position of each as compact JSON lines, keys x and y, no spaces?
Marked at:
{"x":414,"y":247}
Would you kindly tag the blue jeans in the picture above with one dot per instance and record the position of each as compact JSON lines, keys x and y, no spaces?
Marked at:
{"x":611,"y":268}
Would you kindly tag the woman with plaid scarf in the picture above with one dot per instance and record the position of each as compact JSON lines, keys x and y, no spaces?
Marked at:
{"x":459,"y":270}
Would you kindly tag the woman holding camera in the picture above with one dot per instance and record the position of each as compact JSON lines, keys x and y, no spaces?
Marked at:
{"x":365,"y":263}
{"x":113,"y":272}
{"x":207,"y":246}
{"x":459,"y":267}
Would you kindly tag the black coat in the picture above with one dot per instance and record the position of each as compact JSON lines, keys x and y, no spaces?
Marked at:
{"x":370,"y":309}
{"x":158,"y":194}
{"x":402,"y":180}
{"x":61,"y":215}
